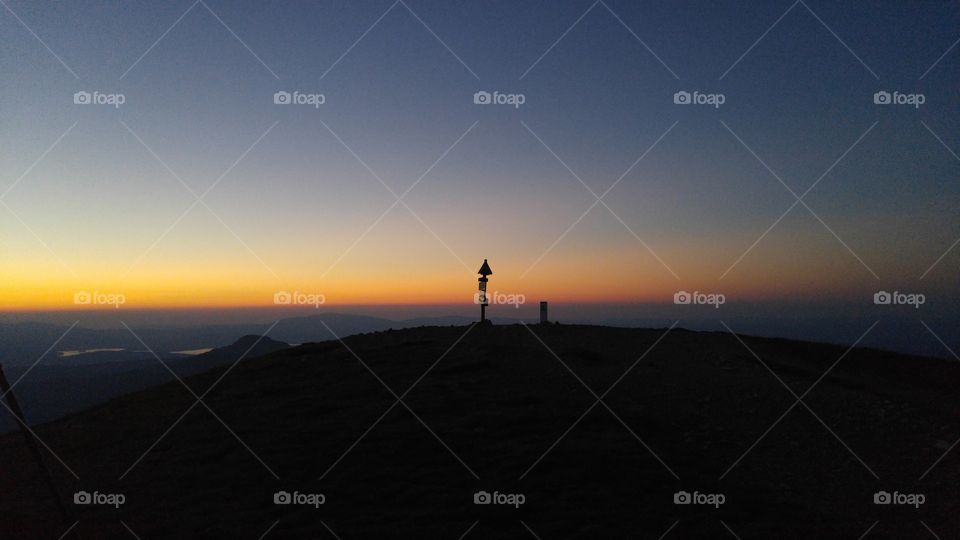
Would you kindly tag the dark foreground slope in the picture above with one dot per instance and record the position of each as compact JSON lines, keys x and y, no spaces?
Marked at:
{"x":55,"y":387}
{"x":500,"y":410}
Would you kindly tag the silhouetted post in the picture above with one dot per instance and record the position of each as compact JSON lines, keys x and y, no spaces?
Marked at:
{"x":543,"y":313}
{"x":482,"y":295}
{"x":7,"y":392}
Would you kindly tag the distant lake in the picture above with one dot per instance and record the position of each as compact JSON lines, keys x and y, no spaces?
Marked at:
{"x":193,"y":352}
{"x":67,"y":354}
{"x":78,"y":352}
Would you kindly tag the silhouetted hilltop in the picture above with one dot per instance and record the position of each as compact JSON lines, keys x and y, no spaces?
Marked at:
{"x":503,"y":408}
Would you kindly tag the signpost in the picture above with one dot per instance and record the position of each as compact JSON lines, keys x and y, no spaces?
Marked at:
{"x":482,"y":295}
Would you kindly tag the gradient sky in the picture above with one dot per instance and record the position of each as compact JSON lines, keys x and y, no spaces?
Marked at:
{"x":94,"y":212}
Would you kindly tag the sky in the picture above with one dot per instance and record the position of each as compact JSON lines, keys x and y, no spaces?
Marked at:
{"x":200,"y":191}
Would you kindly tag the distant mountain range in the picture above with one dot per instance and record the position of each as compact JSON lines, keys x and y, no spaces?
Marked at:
{"x":58,"y":385}
{"x":23,"y":343}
